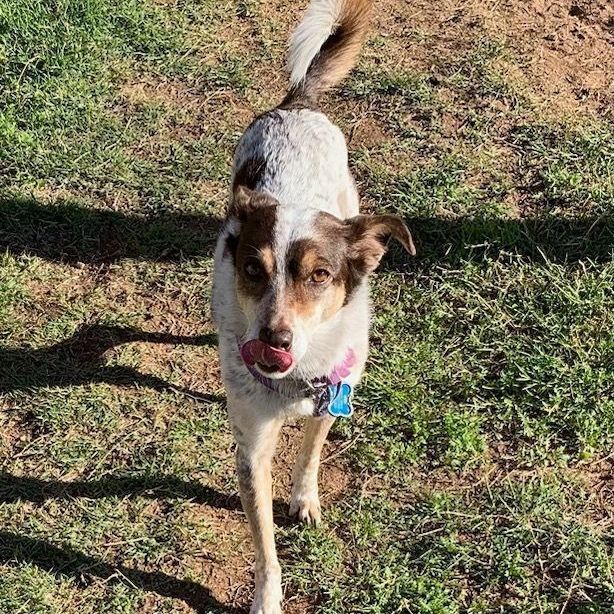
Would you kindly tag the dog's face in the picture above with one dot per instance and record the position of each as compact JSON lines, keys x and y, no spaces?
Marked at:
{"x":296,"y":269}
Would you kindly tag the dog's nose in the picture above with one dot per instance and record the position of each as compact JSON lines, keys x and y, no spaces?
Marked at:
{"x":281,"y":338}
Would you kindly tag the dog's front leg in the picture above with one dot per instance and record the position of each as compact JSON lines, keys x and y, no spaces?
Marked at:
{"x":255,"y":448}
{"x":304,"y":501}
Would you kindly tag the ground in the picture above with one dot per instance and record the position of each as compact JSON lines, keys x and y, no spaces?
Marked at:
{"x":477,"y":472}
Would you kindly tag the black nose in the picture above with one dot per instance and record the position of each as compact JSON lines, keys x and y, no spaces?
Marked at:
{"x":281,"y":338}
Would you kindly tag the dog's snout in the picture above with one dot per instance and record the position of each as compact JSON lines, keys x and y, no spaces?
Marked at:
{"x":281,"y":338}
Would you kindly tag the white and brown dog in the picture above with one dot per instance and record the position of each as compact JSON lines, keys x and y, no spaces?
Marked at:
{"x":291,"y":299}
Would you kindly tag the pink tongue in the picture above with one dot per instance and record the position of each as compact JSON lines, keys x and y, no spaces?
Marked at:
{"x":258,"y":351}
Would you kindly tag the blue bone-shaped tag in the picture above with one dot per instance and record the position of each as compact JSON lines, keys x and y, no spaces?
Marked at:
{"x":340,"y":404}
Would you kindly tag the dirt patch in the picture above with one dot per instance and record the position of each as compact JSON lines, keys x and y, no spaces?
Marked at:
{"x":189,"y":113}
{"x":335,"y":475}
{"x":226,"y":568}
{"x":569,"y":48}
{"x":298,"y":605}
{"x":368,"y":132}
{"x":563,"y":51}
{"x":597,"y":477}
{"x":72,"y":284}
{"x":174,"y":94}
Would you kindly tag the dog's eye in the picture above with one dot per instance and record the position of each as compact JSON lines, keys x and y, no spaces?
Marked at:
{"x":320,"y":276}
{"x":253,"y":269}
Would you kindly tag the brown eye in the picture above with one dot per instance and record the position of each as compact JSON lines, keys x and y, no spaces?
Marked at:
{"x":253,"y":269}
{"x":320,"y":276}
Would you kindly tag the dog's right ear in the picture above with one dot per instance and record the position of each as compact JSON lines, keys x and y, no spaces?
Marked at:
{"x":246,"y":201}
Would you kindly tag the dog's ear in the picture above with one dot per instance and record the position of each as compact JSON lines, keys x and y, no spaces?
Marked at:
{"x":369,"y":236}
{"x":245,"y":201}
{"x":241,"y":204}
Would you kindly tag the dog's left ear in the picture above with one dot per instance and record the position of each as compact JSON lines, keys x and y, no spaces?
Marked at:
{"x":245,"y":201}
{"x":369,"y":236}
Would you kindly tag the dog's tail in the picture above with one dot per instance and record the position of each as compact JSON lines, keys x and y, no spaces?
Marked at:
{"x":325,"y":46}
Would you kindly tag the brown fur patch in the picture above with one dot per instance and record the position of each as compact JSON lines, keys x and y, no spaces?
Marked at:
{"x":249,"y":173}
{"x":246,"y":201}
{"x":255,"y":242}
{"x":336,"y":299}
{"x":336,"y":235}
{"x":267,"y":257}
{"x":304,"y":257}
{"x":326,"y":249}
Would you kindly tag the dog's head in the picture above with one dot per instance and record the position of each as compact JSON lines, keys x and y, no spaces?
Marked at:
{"x":295,"y":269}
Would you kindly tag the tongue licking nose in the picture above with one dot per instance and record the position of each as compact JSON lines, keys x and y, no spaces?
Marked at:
{"x":272,"y":359}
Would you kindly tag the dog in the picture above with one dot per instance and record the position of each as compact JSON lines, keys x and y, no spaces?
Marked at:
{"x":290,"y":294}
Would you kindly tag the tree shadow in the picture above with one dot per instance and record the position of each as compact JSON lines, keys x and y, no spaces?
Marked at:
{"x":546,"y":238}
{"x":80,"y":360}
{"x":68,"y":232}
{"x":65,"y":561}
{"x":22,"y":488}
{"x":16,"y":548}
{"x":82,"y":568}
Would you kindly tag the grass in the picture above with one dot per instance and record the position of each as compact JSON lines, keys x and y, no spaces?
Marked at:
{"x":476,"y":473}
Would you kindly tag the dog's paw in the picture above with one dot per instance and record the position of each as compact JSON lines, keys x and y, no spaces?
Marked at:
{"x":305,"y":506}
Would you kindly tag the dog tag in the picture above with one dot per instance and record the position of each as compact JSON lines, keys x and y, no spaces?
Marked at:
{"x":340,"y":404}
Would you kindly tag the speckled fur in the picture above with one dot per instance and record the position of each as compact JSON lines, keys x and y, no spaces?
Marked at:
{"x":305,"y":168}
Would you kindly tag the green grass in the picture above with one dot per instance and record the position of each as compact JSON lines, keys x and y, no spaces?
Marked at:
{"x":495,"y":354}
{"x":475,"y":475}
{"x":488,"y":547}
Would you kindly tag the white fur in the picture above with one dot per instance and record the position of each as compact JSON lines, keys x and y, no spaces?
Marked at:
{"x":319,"y":21}
{"x":307,"y":161}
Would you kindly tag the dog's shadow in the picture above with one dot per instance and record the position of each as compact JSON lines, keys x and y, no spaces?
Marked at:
{"x":80,"y":360}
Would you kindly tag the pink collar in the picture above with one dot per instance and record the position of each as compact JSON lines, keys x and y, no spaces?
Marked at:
{"x":343,"y":369}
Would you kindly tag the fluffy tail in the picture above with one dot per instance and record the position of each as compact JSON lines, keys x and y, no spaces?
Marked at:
{"x":325,"y":46}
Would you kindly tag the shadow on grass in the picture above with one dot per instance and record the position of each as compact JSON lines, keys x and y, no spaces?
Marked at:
{"x":14,"y":488}
{"x":68,"y":232}
{"x":561,"y":240}
{"x":21,"y":488}
{"x":16,"y":548}
{"x":80,"y":360}
{"x":68,"y":562}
